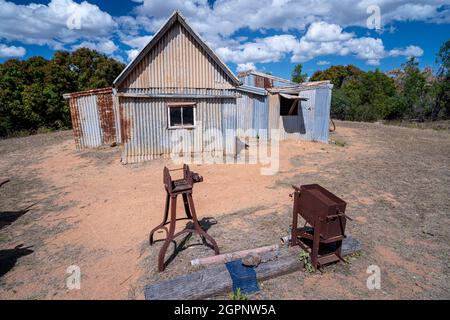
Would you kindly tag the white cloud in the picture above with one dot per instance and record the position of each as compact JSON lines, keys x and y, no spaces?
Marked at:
{"x":245,"y":67}
{"x":11,"y":51}
{"x":321,"y":39}
{"x":48,"y":24}
{"x":133,"y":53}
{"x":107,"y":47}
{"x":410,"y":51}
{"x":137,"y":42}
{"x":324,"y":22}
{"x":225,"y":17}
{"x":323,"y":62}
{"x":269,"y":49}
{"x":325,"y":32}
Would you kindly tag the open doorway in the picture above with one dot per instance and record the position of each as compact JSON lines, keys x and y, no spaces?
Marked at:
{"x":289,"y":105}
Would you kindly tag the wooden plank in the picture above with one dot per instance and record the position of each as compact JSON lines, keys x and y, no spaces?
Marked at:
{"x":215,"y":280}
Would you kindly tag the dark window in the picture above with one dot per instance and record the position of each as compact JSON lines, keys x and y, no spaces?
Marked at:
{"x":181,"y":116}
{"x":288,"y":107}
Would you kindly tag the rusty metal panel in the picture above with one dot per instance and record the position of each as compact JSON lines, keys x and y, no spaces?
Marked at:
{"x":76,"y":126}
{"x":107,"y":119}
{"x":94,"y":119}
{"x":177,"y":61}
{"x":145,"y":132}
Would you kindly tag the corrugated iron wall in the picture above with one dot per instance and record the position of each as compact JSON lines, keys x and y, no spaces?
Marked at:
{"x":252,"y":114}
{"x":145,"y":133}
{"x":177,"y":61}
{"x":94,"y":118}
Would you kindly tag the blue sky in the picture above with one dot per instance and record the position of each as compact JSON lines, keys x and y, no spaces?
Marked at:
{"x":268,"y":35}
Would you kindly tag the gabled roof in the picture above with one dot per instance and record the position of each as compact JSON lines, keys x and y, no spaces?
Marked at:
{"x":175,"y":17}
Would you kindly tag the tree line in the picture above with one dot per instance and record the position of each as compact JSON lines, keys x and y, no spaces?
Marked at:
{"x":407,"y":93}
{"x":31,"y":91}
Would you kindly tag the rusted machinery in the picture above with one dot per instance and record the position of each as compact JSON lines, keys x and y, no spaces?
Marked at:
{"x":174,"y":188}
{"x":325,"y":221}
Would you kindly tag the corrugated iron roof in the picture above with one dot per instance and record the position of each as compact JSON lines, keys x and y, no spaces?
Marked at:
{"x":265,"y":75}
{"x":252,"y":89}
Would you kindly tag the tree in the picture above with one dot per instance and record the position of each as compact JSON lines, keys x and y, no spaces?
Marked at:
{"x":338,"y":75}
{"x":412,"y":90}
{"x":31,"y":91}
{"x":441,"y":87}
{"x":297,"y":75}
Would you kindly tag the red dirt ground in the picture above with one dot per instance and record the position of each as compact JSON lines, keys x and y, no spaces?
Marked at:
{"x":92,"y":211}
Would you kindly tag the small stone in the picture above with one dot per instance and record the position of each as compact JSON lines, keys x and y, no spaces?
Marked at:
{"x":251,"y":260}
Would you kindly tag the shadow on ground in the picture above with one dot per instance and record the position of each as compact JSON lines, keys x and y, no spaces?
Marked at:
{"x":9,"y":257}
{"x":8,"y":217}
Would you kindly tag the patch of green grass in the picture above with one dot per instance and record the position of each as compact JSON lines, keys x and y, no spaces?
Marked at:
{"x":305,"y":258}
{"x":238,"y":295}
{"x":352,"y":256}
{"x":340,"y":143}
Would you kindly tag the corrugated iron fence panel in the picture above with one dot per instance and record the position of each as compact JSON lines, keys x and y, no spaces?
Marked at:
{"x":261,"y":115}
{"x":321,"y":129}
{"x":229,"y":125}
{"x":145,"y":132}
{"x":306,"y":116}
{"x":274,"y":111}
{"x":89,"y":121}
{"x":94,"y":118}
{"x":105,"y":110}
{"x":245,"y":115}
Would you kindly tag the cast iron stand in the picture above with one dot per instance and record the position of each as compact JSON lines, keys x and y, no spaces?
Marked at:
{"x":174,"y":188}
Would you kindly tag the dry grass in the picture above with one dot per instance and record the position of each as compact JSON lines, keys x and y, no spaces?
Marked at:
{"x":92,"y":211}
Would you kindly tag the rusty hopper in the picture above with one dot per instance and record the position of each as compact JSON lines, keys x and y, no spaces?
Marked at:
{"x":324,"y":212}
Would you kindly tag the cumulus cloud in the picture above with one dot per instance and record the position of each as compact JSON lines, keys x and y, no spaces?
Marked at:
{"x":133,"y":53}
{"x":410,"y":51}
{"x":269,"y":49}
{"x":59,"y":23}
{"x":137,"y":42}
{"x":323,"y":62}
{"x":107,"y":47}
{"x":321,"y":39}
{"x":225,"y":17}
{"x":63,"y":24}
{"x":11,"y":51}
{"x":326,"y":32}
{"x":245,"y":67}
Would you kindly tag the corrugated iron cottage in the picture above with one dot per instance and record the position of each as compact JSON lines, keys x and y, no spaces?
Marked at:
{"x":178,"y":87}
